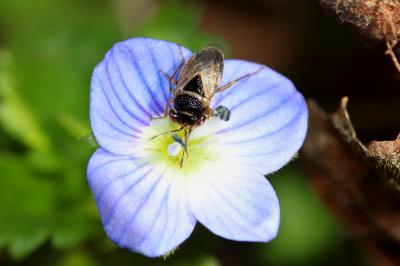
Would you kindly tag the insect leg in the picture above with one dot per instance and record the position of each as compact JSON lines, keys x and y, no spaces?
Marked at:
{"x":171,"y":79}
{"x":181,"y":55}
{"x":185,"y":150}
{"x":229,"y":84}
{"x":167,"y":107}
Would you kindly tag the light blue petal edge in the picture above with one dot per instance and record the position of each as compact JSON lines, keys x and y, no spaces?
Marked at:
{"x":236,"y":203}
{"x":142,"y":208}
{"x":268,"y":122}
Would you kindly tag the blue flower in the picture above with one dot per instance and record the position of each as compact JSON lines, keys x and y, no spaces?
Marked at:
{"x":147,"y":203}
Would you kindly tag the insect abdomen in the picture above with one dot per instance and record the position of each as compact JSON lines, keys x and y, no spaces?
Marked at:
{"x":189,"y":104}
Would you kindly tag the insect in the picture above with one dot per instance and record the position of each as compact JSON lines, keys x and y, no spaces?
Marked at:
{"x":196,"y":81}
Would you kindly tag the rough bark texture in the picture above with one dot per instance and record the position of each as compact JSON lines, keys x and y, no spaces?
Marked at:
{"x":360,"y":183}
{"x":377,"y":20}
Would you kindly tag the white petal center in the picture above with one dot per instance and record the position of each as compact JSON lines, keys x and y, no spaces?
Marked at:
{"x":174,"y":148}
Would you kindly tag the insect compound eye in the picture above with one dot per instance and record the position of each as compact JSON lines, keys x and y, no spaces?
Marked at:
{"x":201,"y":120}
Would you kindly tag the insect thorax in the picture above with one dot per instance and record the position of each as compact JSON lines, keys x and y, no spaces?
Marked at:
{"x":195,"y":85}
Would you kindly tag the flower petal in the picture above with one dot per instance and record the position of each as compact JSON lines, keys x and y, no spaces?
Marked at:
{"x":143,"y":208}
{"x":268,"y":120}
{"x":234,"y":202}
{"x":128,"y":89}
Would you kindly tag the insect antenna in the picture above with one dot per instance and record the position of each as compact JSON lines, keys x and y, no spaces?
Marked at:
{"x":166,"y":133}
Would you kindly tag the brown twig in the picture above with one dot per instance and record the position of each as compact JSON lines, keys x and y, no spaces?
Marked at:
{"x":376,"y":20}
{"x":360,"y":183}
{"x":389,"y":51}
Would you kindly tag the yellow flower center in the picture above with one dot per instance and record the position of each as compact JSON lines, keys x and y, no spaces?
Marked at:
{"x":163,"y":147}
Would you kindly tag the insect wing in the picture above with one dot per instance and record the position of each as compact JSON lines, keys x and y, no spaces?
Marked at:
{"x":208,"y":64}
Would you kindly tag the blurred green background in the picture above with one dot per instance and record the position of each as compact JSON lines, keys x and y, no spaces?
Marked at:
{"x":48,"y":50}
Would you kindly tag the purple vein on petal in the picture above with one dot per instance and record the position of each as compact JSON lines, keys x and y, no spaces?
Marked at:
{"x":117,"y":202}
{"x":127,"y":51}
{"x":201,"y":209}
{"x":177,"y":64}
{"x":139,"y":71}
{"x":117,"y":178}
{"x":239,"y":195}
{"x":141,"y":121}
{"x":254,"y":119}
{"x":155,"y":217}
{"x":171,"y":53}
{"x":117,"y":128}
{"x":176,"y":210}
{"x":111,"y":107}
{"x":290,"y":122}
{"x":258,"y":94}
{"x":222,"y":195}
{"x":114,"y":138}
{"x":245,"y":229}
{"x":155,"y":64}
{"x":178,"y":61}
{"x":143,"y":203}
{"x":215,"y":218}
{"x":131,"y":96}
{"x":98,"y":167}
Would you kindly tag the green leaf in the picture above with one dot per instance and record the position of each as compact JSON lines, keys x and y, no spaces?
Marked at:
{"x":27,"y":241}
{"x":89,"y":140}
{"x":177,"y":21}
{"x":72,"y":125}
{"x":55,"y":50}
{"x":77,"y":258}
{"x":204,"y":260}
{"x":45,"y":162}
{"x":307,"y":229}
{"x":77,"y":130}
{"x":27,"y":205}
{"x":15,"y":116}
{"x":73,"y":226}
